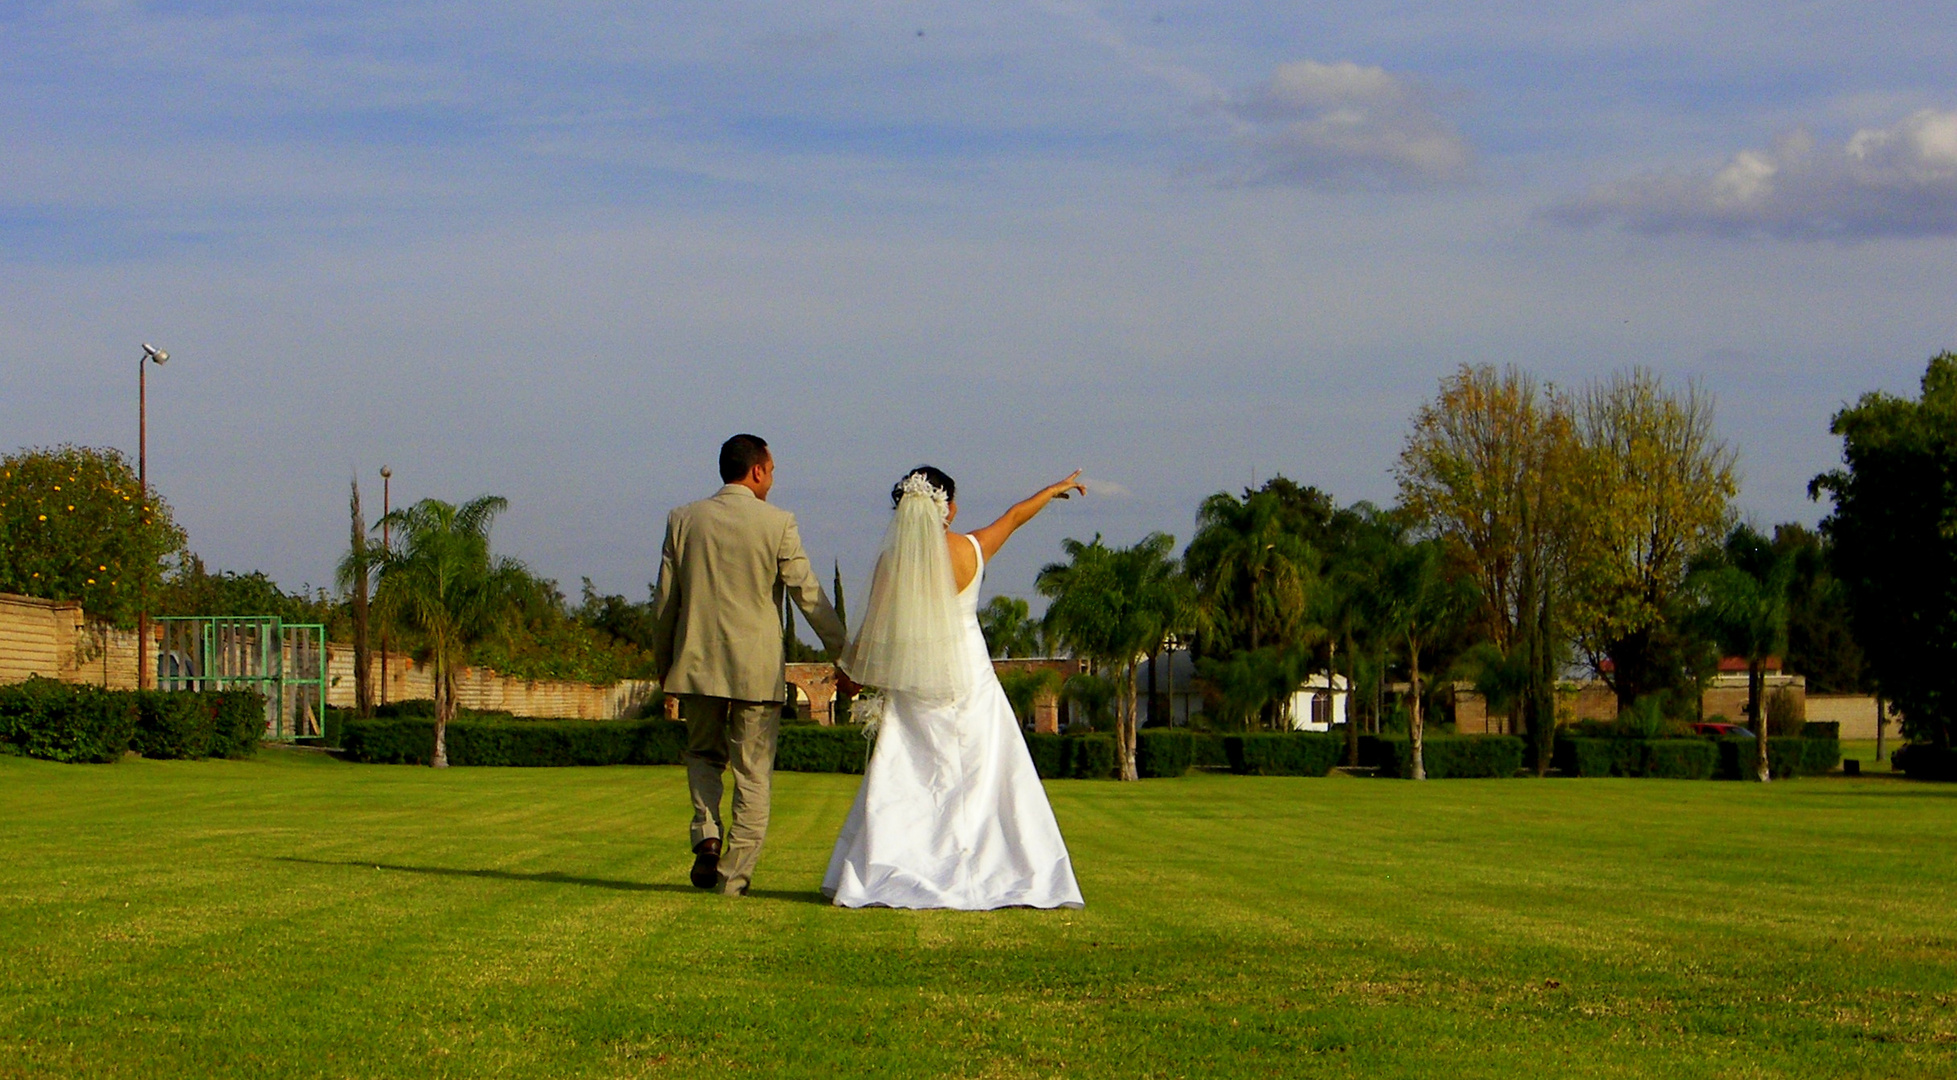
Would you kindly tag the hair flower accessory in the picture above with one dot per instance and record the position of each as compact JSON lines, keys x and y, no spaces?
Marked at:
{"x":917,"y":484}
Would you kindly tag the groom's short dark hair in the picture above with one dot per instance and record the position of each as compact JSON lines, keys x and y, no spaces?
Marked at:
{"x":739,"y":455}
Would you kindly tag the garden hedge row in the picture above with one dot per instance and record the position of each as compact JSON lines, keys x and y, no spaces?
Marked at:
{"x":1673,"y":759}
{"x":814,"y":748}
{"x":1206,"y":750}
{"x":1072,"y":757}
{"x":1788,"y":756}
{"x":1283,"y":753}
{"x":1163,"y":752}
{"x":410,"y":740}
{"x":1925,"y":762}
{"x":1445,"y":757}
{"x":1693,"y":758}
{"x":46,"y":718}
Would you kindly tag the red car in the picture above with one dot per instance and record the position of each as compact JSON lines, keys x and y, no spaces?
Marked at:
{"x":1722,"y":730}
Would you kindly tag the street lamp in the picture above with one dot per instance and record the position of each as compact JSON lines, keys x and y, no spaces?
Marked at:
{"x":387,"y":477}
{"x":151,"y":355}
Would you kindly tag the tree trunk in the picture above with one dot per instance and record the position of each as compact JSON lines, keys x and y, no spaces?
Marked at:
{"x":1754,"y":706}
{"x":1125,"y":728}
{"x":1417,"y":722}
{"x":444,"y":711}
{"x":1878,"y":729}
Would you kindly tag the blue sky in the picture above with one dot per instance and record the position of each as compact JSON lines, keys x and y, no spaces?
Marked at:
{"x":557,"y":252}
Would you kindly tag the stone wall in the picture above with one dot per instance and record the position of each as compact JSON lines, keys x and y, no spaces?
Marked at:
{"x":55,"y":640}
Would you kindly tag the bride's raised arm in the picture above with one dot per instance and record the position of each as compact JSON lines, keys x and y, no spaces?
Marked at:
{"x":994,"y":536}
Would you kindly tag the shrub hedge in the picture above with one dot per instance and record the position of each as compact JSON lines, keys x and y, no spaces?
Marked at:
{"x":410,"y":740}
{"x":1787,"y":757}
{"x":1206,"y":750}
{"x":1092,"y":757}
{"x":1072,"y":757}
{"x":814,"y":748}
{"x":1283,"y":753}
{"x":1925,"y":762}
{"x":1163,"y":752}
{"x":1450,"y":757}
{"x":46,"y":718}
{"x":1680,"y":759}
{"x":1674,"y":759}
{"x":1049,"y":753}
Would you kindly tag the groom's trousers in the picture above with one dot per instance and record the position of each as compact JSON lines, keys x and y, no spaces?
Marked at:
{"x":721,"y":733}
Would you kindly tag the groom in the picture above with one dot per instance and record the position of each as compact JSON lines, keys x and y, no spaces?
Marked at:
{"x":717,"y":644}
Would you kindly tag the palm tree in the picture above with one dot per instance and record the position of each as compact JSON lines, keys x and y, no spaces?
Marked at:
{"x":1254,"y":575}
{"x":1010,"y":631}
{"x":1421,"y":601}
{"x":1115,"y":606}
{"x":440,"y":580}
{"x":1741,"y":590}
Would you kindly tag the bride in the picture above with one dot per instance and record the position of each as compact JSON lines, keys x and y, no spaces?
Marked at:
{"x":950,"y":813}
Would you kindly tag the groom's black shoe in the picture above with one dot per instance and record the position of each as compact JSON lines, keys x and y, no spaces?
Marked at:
{"x":706,"y":863}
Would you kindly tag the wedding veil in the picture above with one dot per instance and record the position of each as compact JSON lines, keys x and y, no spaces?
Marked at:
{"x":912,"y":636}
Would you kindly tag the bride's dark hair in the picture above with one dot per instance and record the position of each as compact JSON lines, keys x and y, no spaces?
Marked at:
{"x":933,"y":475}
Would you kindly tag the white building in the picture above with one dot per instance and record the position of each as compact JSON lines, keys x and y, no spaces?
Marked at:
{"x":1316,"y":706}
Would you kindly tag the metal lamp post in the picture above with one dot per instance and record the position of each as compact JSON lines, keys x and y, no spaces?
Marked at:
{"x":387,"y":477}
{"x":151,"y":355}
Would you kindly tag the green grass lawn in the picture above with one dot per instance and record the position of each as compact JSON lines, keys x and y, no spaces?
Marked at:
{"x":297,"y":916}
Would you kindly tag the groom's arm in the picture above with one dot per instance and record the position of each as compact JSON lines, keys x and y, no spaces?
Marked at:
{"x":798,"y":577}
{"x":665,"y":604}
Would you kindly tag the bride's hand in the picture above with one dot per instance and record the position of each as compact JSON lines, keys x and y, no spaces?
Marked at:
{"x":1065,"y":488}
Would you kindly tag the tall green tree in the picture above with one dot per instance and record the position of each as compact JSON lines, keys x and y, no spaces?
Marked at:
{"x":1821,"y":643}
{"x":1486,"y":467}
{"x":1115,"y":606}
{"x":1423,"y":603}
{"x":1009,"y":628}
{"x":1741,"y":595}
{"x":440,"y":579}
{"x":1255,"y":575}
{"x":74,"y":526}
{"x":1656,"y":484}
{"x":1895,"y":544}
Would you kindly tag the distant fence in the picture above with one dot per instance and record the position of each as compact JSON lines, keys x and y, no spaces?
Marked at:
{"x":55,"y":640}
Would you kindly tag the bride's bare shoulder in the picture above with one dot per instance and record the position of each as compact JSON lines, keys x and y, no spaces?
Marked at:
{"x":964,"y":558}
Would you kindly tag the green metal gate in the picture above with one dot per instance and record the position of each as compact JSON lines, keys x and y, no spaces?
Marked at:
{"x":286,"y":662}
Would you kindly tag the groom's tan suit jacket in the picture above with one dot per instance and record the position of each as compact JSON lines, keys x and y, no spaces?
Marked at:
{"x":725,"y":566}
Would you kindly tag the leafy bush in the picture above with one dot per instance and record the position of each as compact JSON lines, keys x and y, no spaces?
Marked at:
{"x":1786,"y":757}
{"x":815,"y":748}
{"x":1680,"y":759}
{"x":411,"y":740}
{"x":1206,"y":750}
{"x":237,"y":722}
{"x":1786,"y":714}
{"x":1821,"y":729}
{"x":1925,"y":762}
{"x":1163,"y":752}
{"x":1091,"y":757}
{"x":1049,"y":753}
{"x":1449,"y":757}
{"x":1283,"y":753}
{"x":172,"y":725}
{"x":1674,"y":759}
{"x":46,"y":718}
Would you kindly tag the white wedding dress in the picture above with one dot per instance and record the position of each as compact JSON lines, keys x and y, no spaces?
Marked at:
{"x":951,"y":813}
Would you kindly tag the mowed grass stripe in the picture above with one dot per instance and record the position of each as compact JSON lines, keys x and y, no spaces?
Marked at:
{"x":537,"y":923}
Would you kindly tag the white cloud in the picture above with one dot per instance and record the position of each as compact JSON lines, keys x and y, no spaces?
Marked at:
{"x":1895,"y":181}
{"x":1343,"y":125}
